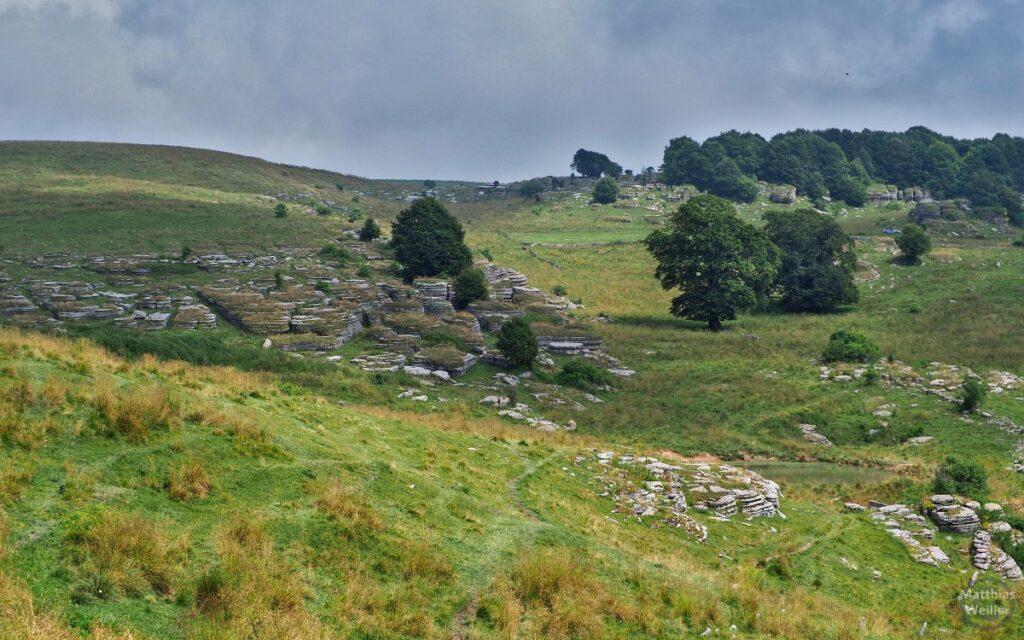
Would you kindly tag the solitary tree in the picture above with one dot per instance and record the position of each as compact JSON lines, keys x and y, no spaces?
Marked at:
{"x":719,"y":263}
{"x":469,"y":285}
{"x":606,"y":191}
{"x":428,"y":240}
{"x":517,"y":342}
{"x":818,"y":260}
{"x":429,"y":184}
{"x":370,"y":230}
{"x":913,"y":243}
{"x":280,"y":210}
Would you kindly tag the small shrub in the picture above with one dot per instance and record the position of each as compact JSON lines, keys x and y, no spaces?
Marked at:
{"x":517,"y":342}
{"x":915,"y":308}
{"x":485,"y":252}
{"x":364,"y":271}
{"x":559,"y":290}
{"x":470,"y":285}
{"x":369,"y":231}
{"x":955,"y":477}
{"x":972,"y":394}
{"x":847,"y":346}
{"x":336,"y":254}
{"x":871,"y":376}
{"x":280,"y":211}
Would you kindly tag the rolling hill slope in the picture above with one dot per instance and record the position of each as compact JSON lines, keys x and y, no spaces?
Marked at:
{"x":286,"y":497}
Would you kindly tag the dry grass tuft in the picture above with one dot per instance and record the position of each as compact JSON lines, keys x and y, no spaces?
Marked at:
{"x":189,"y":481}
{"x":549,"y":594}
{"x":252,"y":592}
{"x":55,"y":392}
{"x":13,"y":478}
{"x":133,"y":412}
{"x":342,"y":503}
{"x":122,"y":554}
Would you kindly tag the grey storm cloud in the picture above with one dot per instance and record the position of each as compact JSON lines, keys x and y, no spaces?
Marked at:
{"x":501,"y":89}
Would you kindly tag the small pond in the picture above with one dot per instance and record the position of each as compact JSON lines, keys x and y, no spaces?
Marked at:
{"x":817,"y":472}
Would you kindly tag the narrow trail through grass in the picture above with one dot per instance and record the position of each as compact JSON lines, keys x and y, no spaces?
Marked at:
{"x":510,"y":534}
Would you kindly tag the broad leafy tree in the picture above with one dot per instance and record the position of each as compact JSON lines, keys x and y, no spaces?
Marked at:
{"x":593,"y":164}
{"x":428,"y":241}
{"x":719,"y":263}
{"x":818,"y":261}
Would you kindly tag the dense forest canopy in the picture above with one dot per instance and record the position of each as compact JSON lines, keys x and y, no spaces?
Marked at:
{"x":843,"y":163}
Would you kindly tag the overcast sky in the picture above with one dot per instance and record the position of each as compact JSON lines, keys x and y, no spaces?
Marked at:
{"x":499,"y":89}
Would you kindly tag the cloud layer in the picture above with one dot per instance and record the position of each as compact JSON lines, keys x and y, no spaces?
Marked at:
{"x":498,"y":90}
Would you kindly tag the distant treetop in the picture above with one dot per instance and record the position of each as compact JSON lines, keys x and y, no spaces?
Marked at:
{"x":593,"y":164}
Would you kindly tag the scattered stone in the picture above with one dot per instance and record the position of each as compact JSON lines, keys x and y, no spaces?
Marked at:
{"x":811,"y":435}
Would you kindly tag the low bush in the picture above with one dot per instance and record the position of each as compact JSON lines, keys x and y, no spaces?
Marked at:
{"x":583,"y":375}
{"x":847,"y":346}
{"x":336,"y":254}
{"x":956,"y":477}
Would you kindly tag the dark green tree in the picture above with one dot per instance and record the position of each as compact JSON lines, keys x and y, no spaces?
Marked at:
{"x":719,"y":263}
{"x":428,"y":241}
{"x":469,"y":285}
{"x":280,"y":211}
{"x":818,"y":260}
{"x":429,"y":184}
{"x":369,"y":231}
{"x":606,"y":190}
{"x":684,"y":163}
{"x":593,"y":164}
{"x":913,"y":243}
{"x":532,"y":188}
{"x":729,"y":182}
{"x":972,"y":394}
{"x":517,"y":342}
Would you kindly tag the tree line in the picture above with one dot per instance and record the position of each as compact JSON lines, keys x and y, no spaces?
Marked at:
{"x":842,"y":163}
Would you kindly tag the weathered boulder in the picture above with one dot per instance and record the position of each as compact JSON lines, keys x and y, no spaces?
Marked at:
{"x":955,"y":518}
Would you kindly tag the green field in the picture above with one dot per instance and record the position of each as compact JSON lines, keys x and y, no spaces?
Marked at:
{"x":246,"y":494}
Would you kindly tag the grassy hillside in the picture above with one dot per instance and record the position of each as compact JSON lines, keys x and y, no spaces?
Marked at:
{"x":275,"y":497}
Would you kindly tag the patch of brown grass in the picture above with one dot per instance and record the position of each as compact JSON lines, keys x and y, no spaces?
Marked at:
{"x":550,"y":594}
{"x":189,"y":481}
{"x":134,"y":411}
{"x":341,"y":502}
{"x":13,"y":478}
{"x":253,"y":593}
{"x":115,"y":554}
